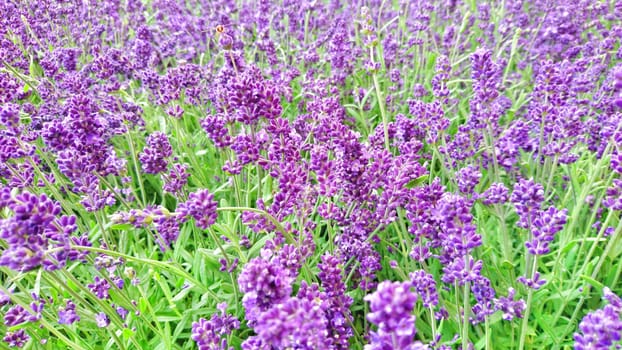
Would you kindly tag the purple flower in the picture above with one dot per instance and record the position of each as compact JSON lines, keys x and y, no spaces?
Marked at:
{"x":9,"y":115}
{"x":100,"y":287}
{"x":600,"y":329}
{"x":167,"y":227}
{"x":296,"y":322}
{"x":8,"y":88}
{"x":263,"y":283}
{"x":440,"y":79}
{"x":176,"y":178}
{"x":338,"y":313}
{"x":32,"y":229}
{"x":216,"y":128}
{"x":534,"y":283}
{"x":511,"y":308}
{"x":614,"y":300}
{"x":545,"y":226}
{"x":514,"y":137}
{"x":164,"y":223}
{"x":153,"y":157}
{"x":16,"y":315}
{"x":202,"y":207}
{"x":16,"y":339}
{"x":458,"y":271}
{"x":175,"y":111}
{"x":527,"y":198}
{"x":118,"y":281}
{"x":616,"y":162}
{"x":4,"y":298}
{"x":457,"y":233}
{"x":67,"y":315}
{"x":102,"y":320}
{"x":485,"y":105}
{"x":430,"y":114}
{"x":391,"y":307}
{"x":420,"y":213}
{"x":289,"y":257}
{"x":226,"y":266}
{"x":122,"y":312}
{"x":425,"y":285}
{"x":93,"y":198}
{"x":210,"y":334}
{"x":484,"y":295}
{"x":249,"y":97}
{"x":497,"y":193}
{"x":613,"y":200}
{"x":401,"y":170}
{"x":467,"y":178}
{"x":618,"y":87}
{"x":108,"y":263}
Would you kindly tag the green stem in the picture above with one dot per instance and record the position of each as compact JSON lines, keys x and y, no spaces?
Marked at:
{"x":466,"y":307}
{"x":259,"y":182}
{"x":106,"y":308}
{"x":115,"y":192}
{"x":617,"y":275}
{"x":137,"y":170}
{"x":574,"y":216}
{"x":383,"y":113}
{"x":487,"y":330}
{"x":433,"y":323}
{"x":505,"y":235}
{"x":179,"y":133}
{"x":272,"y":219}
{"x":226,"y":256}
{"x":537,"y":166}
{"x":590,"y":253}
{"x":160,"y":264}
{"x":575,"y":284}
{"x":610,"y":245}
{"x":43,"y":322}
{"x":100,"y":223}
{"x":152,"y":313}
{"x":493,"y":153}
{"x":68,"y":206}
{"x":457,"y":303}
{"x":547,"y":190}
{"x":525,"y":322}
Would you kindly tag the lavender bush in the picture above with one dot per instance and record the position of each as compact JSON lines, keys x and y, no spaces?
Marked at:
{"x":310,"y":174}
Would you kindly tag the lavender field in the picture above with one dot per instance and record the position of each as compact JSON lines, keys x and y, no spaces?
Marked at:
{"x":299,"y":175}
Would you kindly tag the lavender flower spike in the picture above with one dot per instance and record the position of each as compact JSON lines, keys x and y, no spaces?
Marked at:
{"x":391,"y":310}
{"x":600,"y":329}
{"x":202,"y":207}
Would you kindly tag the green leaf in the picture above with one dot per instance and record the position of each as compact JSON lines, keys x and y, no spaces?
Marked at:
{"x":120,"y":227}
{"x":593,"y":282}
{"x":128,"y":333}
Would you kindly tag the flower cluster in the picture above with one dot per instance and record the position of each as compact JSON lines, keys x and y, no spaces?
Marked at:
{"x":527,"y":197}
{"x":391,"y":308}
{"x":336,"y":172}
{"x":153,"y":157}
{"x":34,"y":228}
{"x":208,"y":334}
{"x":602,"y":328}
{"x":545,"y":226}
{"x":264,"y":283}
{"x":200,"y":206}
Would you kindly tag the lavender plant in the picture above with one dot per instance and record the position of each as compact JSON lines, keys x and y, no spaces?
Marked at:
{"x":310,"y":174}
